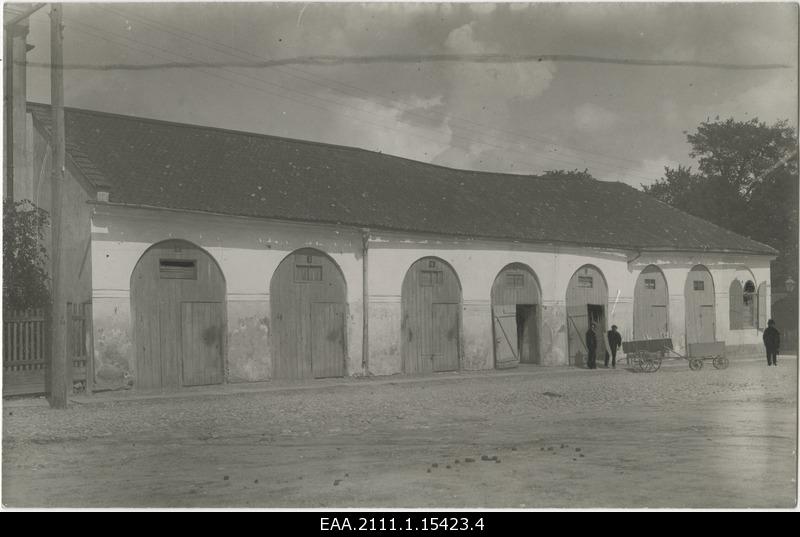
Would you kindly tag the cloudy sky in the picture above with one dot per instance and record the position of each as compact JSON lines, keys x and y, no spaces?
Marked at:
{"x":622,"y":122}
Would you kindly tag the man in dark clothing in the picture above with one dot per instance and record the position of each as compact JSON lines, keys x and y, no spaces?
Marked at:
{"x":614,"y":342}
{"x":772,"y":342}
{"x":591,"y":347}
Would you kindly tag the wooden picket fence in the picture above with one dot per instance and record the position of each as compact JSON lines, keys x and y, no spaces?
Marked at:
{"x":26,"y":349}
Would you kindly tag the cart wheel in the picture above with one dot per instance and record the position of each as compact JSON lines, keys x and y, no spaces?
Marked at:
{"x":653,"y":362}
{"x":695,"y":364}
{"x":720,"y":362}
{"x":638,"y":361}
{"x":656,"y":364}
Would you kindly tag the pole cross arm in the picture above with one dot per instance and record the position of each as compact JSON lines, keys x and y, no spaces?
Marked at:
{"x":24,"y":15}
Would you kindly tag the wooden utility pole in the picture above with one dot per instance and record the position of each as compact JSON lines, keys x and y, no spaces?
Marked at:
{"x":365,"y":303}
{"x":16,"y":25}
{"x":60,"y":381}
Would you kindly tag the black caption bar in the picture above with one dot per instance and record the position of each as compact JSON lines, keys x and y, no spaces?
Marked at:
{"x":400,"y":522}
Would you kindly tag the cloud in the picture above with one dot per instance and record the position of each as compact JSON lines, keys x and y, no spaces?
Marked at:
{"x":646,"y":173}
{"x":481,"y":8}
{"x":462,"y":41}
{"x":493,"y":82}
{"x":484,"y":95}
{"x":592,"y":118}
{"x":411,"y":131}
{"x":519,"y":6}
{"x":770,"y":101}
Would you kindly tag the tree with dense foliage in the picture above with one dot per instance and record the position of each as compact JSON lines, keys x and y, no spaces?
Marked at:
{"x":747,"y":181}
{"x":25,"y":275}
{"x":570,"y":174}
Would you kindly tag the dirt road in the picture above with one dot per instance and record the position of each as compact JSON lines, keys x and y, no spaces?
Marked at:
{"x":553,"y":437}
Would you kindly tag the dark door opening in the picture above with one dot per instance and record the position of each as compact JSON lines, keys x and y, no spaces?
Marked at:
{"x":528,"y":334}
{"x":597,"y":315}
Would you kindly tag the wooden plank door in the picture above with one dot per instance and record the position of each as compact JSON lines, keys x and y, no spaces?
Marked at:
{"x":445,"y":337}
{"x":306,"y":289}
{"x":202,"y":331}
{"x":428,"y":282}
{"x":327,"y":339}
{"x":147,"y":343}
{"x":506,"y":350}
{"x":700,"y":306}
{"x":577,"y":324}
{"x":169,"y":329}
{"x":169,"y":274}
{"x":705,"y":324}
{"x":657,"y":323}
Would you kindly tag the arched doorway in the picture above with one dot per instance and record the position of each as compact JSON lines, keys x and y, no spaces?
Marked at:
{"x":431,"y":313}
{"x":650,"y":305}
{"x":515,"y":316}
{"x":700,"y":306}
{"x":308,"y":308}
{"x":178,"y":316}
{"x":743,"y":301}
{"x":587,"y":300}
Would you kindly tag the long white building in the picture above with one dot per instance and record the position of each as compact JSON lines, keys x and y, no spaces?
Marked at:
{"x":215,"y":256}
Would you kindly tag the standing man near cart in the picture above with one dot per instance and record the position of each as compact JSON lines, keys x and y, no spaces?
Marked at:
{"x":772,"y":342}
{"x":614,"y":342}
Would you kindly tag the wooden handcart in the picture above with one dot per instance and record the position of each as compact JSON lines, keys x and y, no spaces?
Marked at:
{"x":700,"y":352}
{"x":646,"y":355}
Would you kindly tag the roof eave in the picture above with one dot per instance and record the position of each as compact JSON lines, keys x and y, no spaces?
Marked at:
{"x":360,"y":227}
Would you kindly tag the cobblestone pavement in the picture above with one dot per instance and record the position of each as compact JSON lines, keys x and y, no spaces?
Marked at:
{"x":536,"y":437}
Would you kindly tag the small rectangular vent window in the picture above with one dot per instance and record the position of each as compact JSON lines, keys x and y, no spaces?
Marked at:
{"x":699,"y":285}
{"x":308,"y":273}
{"x":429,"y":278}
{"x":585,"y":281}
{"x":514,"y":279}
{"x":177,"y":269}
{"x":649,"y":284}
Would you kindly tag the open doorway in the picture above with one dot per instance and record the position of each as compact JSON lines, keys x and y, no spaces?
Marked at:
{"x":586,"y":300}
{"x":516,"y":317}
{"x":528,"y":333}
{"x":597,"y":315}
{"x":516,"y":330}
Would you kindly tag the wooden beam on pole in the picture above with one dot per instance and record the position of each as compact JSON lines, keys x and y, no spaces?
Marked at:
{"x":60,"y":379}
{"x":24,"y":15}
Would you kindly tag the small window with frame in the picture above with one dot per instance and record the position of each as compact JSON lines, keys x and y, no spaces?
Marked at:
{"x":515,"y":279}
{"x":430,"y":278}
{"x":649,"y":283}
{"x":585,"y":281}
{"x":308,"y":273}
{"x":699,"y":285}
{"x":177,"y":269}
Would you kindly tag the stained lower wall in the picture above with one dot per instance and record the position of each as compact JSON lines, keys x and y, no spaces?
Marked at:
{"x":249,"y":355}
{"x":249,"y":250}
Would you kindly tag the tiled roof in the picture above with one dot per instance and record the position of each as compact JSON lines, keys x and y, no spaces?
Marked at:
{"x":146,"y":162}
